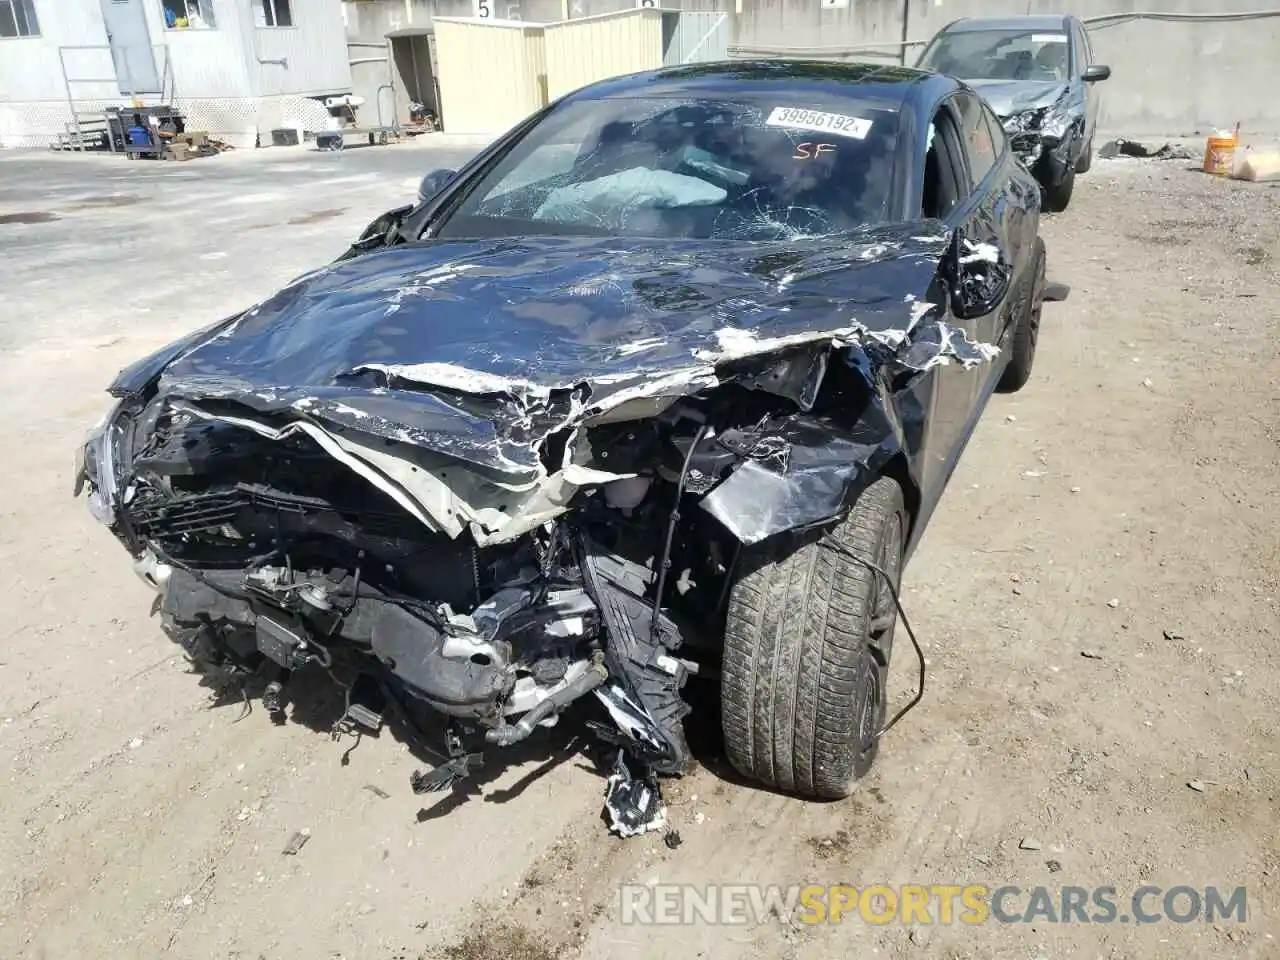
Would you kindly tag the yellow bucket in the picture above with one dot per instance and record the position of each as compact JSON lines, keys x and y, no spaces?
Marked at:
{"x":1219,"y":155}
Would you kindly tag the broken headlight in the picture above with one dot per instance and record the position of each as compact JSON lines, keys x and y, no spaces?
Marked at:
{"x":96,"y":465}
{"x":1057,"y":120}
{"x":1025,"y":122}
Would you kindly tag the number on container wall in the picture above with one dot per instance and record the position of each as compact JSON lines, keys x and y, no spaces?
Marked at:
{"x":646,"y":3}
{"x":484,"y":9}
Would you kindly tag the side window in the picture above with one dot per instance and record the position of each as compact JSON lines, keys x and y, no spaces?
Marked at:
{"x":945,"y":183}
{"x":976,"y":136}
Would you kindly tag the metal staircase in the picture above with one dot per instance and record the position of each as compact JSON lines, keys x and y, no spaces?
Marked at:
{"x":89,"y":129}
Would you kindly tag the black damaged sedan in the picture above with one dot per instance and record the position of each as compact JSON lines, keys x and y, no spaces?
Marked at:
{"x":665,"y":383}
{"x":1038,"y":74}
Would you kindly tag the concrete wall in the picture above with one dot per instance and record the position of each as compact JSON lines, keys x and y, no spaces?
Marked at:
{"x":1167,"y":77}
{"x":374,"y":19}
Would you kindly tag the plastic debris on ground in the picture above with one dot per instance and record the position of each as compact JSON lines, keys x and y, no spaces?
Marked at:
{"x":1131,"y":148}
{"x":1257,"y":166}
{"x":634,"y":806}
{"x":297,"y":842}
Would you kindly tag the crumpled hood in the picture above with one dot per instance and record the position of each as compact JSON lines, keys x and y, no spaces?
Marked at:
{"x":481,"y":349}
{"x":1008,"y":97}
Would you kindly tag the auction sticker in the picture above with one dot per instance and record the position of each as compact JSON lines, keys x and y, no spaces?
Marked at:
{"x":837,"y":123}
{"x":1048,"y":38}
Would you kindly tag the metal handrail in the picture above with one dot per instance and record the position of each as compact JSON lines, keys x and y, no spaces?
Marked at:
{"x":168,"y":80}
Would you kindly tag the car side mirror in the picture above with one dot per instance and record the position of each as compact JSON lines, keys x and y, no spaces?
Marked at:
{"x":434,"y":182}
{"x":981,"y":275}
{"x":1096,"y":73}
{"x":382,"y":231}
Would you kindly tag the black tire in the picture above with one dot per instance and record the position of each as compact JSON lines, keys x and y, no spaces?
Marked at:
{"x":1022,"y":352}
{"x":1086,"y":158}
{"x":808,"y":639}
{"x":1058,"y":196}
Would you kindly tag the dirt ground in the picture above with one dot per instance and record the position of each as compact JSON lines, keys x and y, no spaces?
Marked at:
{"x":1125,"y":504}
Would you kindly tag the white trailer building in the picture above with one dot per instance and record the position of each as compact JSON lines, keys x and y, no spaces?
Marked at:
{"x":236,"y":68}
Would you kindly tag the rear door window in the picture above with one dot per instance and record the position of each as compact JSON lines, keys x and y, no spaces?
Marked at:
{"x":976,"y":136}
{"x":996,"y":130}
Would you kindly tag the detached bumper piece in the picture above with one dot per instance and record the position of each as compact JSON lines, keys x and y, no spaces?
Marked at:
{"x":460,"y":765}
{"x":637,"y":680}
{"x":633,"y":806}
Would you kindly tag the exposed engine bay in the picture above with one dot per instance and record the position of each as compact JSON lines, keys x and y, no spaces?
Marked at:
{"x":283,"y":555}
{"x":271,"y":556}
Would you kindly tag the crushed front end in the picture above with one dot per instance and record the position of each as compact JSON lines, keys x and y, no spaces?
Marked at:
{"x":271,"y":556}
{"x":491,"y":547}
{"x":1047,"y":139}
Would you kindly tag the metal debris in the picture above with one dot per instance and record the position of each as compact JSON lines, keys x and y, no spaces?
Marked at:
{"x":1091,"y":654}
{"x":297,"y":842}
{"x":1028,"y":843}
{"x":633,"y":805}
{"x":672,"y":839}
{"x":377,"y":791}
{"x":1131,"y":148}
{"x":1053,"y":865}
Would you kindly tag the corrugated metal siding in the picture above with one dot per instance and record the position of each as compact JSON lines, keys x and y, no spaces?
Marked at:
{"x":695,"y":36}
{"x":492,"y":75}
{"x":207,"y":63}
{"x":221,"y":62}
{"x":315,"y":46}
{"x":580,"y":52}
{"x":29,"y":65}
{"x":210,"y":63}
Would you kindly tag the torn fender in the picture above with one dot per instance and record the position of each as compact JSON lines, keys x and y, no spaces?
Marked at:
{"x":482,"y":349}
{"x":820,"y":467}
{"x":416,"y":356}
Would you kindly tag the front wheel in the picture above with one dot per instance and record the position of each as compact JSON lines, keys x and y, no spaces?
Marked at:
{"x":808,"y":638}
{"x":1022,"y":352}
{"x":1057,"y":196}
{"x":1086,"y":158}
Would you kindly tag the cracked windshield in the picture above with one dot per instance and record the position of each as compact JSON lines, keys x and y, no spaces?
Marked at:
{"x":999,"y":55}
{"x":753,"y":171}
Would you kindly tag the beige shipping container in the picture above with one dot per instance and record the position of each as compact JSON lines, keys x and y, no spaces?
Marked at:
{"x":492,"y":74}
{"x":579,"y":52}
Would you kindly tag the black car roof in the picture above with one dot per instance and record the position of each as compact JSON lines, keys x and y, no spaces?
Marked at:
{"x":1053,"y":21}
{"x":893,"y":85}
